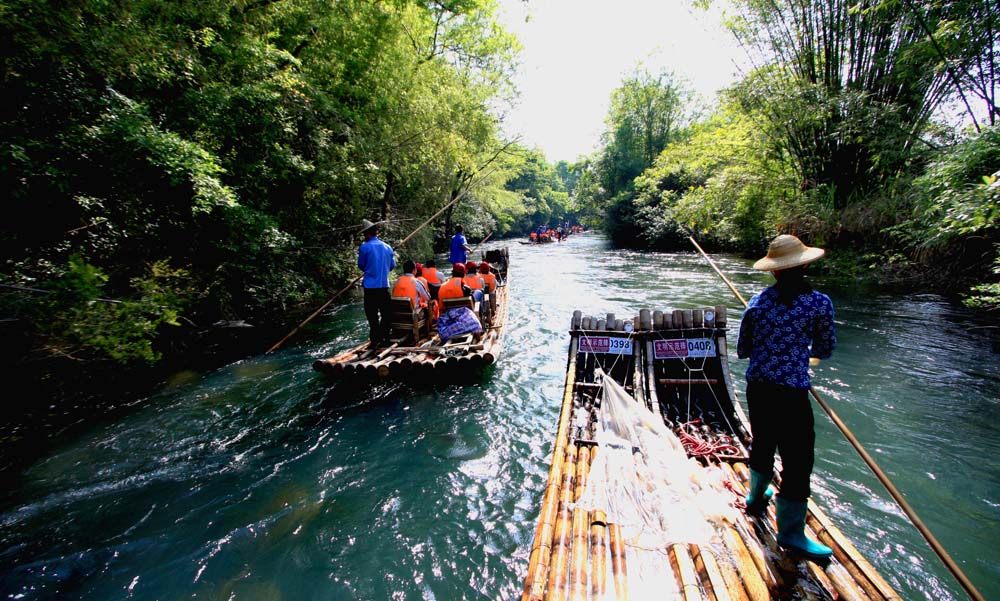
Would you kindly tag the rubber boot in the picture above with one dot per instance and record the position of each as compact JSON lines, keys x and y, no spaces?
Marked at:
{"x":759,"y":495}
{"x":791,"y":530}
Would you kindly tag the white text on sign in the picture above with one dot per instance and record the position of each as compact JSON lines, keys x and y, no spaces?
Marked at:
{"x":680,"y":348}
{"x":606,"y":345}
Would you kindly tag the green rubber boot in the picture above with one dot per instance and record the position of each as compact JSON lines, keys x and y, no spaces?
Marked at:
{"x":759,"y":495}
{"x":792,"y":527}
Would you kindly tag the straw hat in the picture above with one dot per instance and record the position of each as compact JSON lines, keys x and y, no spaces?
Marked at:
{"x":787,"y":251}
{"x":366,"y":225}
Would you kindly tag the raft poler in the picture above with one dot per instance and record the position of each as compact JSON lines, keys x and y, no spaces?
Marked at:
{"x":376,"y":259}
{"x":783,"y":327}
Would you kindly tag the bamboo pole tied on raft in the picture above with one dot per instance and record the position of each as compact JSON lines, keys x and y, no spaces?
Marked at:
{"x":949,"y":563}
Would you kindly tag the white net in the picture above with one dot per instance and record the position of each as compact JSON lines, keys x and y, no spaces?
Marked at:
{"x":643,"y":480}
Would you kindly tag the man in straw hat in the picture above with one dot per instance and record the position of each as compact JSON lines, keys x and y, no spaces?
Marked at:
{"x":376,"y":259}
{"x":782,"y":328}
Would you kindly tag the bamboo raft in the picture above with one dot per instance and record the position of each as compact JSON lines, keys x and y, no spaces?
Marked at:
{"x":578,"y":554}
{"x":406,"y":357}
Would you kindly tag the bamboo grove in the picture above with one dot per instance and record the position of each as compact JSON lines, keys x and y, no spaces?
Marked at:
{"x":869,"y":127}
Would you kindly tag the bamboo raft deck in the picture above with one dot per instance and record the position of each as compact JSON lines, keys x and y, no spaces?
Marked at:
{"x":577,"y":554}
{"x":406,"y":357}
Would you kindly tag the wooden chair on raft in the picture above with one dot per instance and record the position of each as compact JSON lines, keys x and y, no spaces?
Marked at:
{"x":404,"y":317}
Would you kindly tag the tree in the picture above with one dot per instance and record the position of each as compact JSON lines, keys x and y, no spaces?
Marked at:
{"x":847,"y":89}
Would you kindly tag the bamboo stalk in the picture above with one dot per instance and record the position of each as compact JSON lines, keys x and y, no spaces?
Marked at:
{"x":687,"y":576}
{"x":846,"y":585}
{"x":578,"y":555}
{"x":534,"y":584}
{"x":749,"y":574}
{"x":711,"y":577}
{"x":581,"y":523}
{"x":559,"y":563}
{"x":598,"y":555}
{"x":847,"y":554}
{"x":618,"y":570}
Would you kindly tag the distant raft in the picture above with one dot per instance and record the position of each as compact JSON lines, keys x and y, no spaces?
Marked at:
{"x":415,"y":347}
{"x":649,"y":440}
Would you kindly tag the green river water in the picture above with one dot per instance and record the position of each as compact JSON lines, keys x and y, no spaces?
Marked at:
{"x":261,"y":480}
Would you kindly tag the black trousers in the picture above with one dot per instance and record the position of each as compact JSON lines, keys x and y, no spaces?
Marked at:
{"x":781,"y":419}
{"x":377,"y":302}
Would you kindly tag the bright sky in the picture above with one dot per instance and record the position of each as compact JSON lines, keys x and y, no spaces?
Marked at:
{"x":577,"y":51}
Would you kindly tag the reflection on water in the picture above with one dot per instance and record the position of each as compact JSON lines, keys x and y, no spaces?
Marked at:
{"x":261,"y":481}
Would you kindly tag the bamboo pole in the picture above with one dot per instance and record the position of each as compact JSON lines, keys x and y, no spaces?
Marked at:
{"x":687,"y":576}
{"x":541,"y":548}
{"x":939,"y":549}
{"x":599,"y":555}
{"x":278,"y":344}
{"x":618,"y":569}
{"x":559,"y":562}
{"x":715,"y":585}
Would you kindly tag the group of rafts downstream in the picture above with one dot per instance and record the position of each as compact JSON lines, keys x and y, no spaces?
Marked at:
{"x":645,"y":491}
{"x":415,"y":345}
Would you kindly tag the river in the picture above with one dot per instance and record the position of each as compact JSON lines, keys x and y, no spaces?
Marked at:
{"x":261,"y":480}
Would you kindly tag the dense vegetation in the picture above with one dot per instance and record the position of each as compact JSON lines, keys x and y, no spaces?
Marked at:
{"x":173,"y":165}
{"x":170,"y":165}
{"x":837,"y":135}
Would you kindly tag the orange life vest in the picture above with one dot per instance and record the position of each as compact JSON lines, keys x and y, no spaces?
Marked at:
{"x":491,"y":280}
{"x":475,"y":282}
{"x":406,"y":286}
{"x":451,"y":289}
{"x":432,"y":275}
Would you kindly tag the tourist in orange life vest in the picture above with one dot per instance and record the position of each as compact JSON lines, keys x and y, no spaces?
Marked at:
{"x":488,"y":276}
{"x":409,"y":286}
{"x":473,"y":281}
{"x":432,"y":274}
{"x":455,"y":287}
{"x":419,"y":273}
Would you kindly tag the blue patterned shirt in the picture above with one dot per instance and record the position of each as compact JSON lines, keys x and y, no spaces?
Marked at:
{"x":777,"y":338}
{"x":375,"y":258}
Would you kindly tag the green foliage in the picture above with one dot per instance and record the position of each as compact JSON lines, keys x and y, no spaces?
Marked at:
{"x":74,"y":321}
{"x":236,"y":140}
{"x":848,"y":113}
{"x":647,"y":113}
{"x":958,"y":195}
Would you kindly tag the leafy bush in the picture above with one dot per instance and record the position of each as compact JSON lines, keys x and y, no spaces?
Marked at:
{"x":74,"y":321}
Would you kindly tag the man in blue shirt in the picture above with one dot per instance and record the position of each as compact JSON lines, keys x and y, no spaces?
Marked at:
{"x":376,"y":260}
{"x":459,"y":247}
{"x":782,"y":328}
